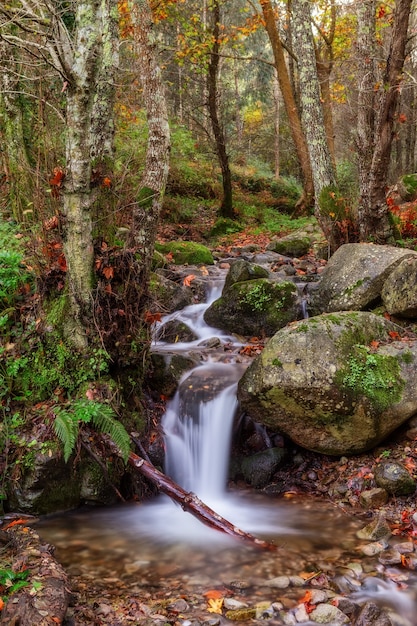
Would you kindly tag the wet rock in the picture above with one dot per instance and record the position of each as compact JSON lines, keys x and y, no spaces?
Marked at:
{"x":165,"y":372}
{"x":377,"y":530}
{"x":373,"y":615}
{"x":394,"y":478}
{"x":280,"y":582}
{"x":254,"y":307}
{"x":174,"y":331}
{"x":168,"y":295}
{"x":232,"y":604}
{"x":348,"y":606}
{"x":390,"y":557}
{"x":328,"y":614}
{"x":371,"y":549}
{"x":259,"y":468}
{"x":291,"y":245}
{"x":241,"y":615}
{"x":242,"y":270}
{"x":373,"y":498}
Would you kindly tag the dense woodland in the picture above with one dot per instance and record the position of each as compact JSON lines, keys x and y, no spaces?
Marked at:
{"x":119,"y":118}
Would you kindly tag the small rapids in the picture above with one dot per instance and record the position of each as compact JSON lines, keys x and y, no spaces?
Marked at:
{"x":159,"y":549}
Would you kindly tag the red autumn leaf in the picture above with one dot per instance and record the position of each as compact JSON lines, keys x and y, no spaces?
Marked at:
{"x":381,"y":11}
{"x":374,"y":344}
{"x":106,"y":182}
{"x":97,"y":264}
{"x":188,"y":280}
{"x":62,"y":262}
{"x":108,"y":272}
{"x":57,"y":178}
{"x":107,"y":288}
{"x":1,"y":604}
{"x":150,"y":318}
{"x":16,"y":522}
{"x":387,"y":316}
{"x":393,"y":334}
{"x":402,"y":118}
{"x":121,"y":312}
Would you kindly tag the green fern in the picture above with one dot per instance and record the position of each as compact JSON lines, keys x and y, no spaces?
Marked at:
{"x":66,"y":428}
{"x":100,"y":415}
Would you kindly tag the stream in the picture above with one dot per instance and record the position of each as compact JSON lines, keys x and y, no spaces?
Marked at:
{"x":168,"y":566}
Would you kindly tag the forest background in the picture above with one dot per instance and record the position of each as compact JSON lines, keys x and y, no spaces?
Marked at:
{"x":231,"y":116}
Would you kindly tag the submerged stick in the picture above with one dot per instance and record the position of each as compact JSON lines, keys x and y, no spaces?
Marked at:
{"x":192,"y":504}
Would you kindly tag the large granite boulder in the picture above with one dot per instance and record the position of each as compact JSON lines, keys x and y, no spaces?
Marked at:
{"x":399,"y":293}
{"x":354,"y":277}
{"x":335,"y":383}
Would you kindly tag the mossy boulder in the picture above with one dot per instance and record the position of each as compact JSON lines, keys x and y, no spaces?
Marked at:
{"x":354,"y":277}
{"x":399,"y":292}
{"x":186,"y":252}
{"x":166,"y":371}
{"x":293,"y":245}
{"x":254,"y":307}
{"x":242,"y":270}
{"x":319,"y":382}
{"x":167,"y":295}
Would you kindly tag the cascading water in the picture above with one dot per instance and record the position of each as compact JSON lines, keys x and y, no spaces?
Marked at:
{"x":167,"y":551}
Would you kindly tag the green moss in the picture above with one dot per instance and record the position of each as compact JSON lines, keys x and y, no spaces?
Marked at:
{"x":407,"y":357}
{"x":276,"y":362}
{"x":349,"y":290}
{"x":375,"y":376}
{"x":186,"y":252}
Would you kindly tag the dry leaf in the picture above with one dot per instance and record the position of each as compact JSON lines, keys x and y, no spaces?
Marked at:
{"x":188,"y":280}
{"x":215,"y":605}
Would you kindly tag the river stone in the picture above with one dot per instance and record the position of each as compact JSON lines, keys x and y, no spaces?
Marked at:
{"x":377,"y":530}
{"x":254,"y":307}
{"x":354,"y":277}
{"x":373,"y":498}
{"x":168,"y":295}
{"x":292,"y":245}
{"x":318,"y":383}
{"x":259,"y":468}
{"x":328,"y":614}
{"x":399,"y":293}
{"x":394,"y":478}
{"x":373,"y":615}
{"x":242,"y":270}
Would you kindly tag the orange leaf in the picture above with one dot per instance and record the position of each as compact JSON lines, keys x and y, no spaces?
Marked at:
{"x":108,"y":272}
{"x":213,"y":594}
{"x":306,"y":597}
{"x":58,"y":177}
{"x":150,"y":318}
{"x":374,"y":344}
{"x":188,"y":280}
{"x":62,"y":263}
{"x":393,"y":334}
{"x":15,"y":522}
{"x":107,"y":288}
{"x":106,"y":182}
{"x":1,"y":604}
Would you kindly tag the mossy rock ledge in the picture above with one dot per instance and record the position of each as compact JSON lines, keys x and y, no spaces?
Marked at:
{"x":335,"y":383}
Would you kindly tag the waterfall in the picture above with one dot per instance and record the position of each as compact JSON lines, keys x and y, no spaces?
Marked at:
{"x":198,"y":428}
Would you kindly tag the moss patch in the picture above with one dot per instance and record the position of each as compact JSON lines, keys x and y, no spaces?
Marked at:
{"x":375,"y":376}
{"x":186,"y":252}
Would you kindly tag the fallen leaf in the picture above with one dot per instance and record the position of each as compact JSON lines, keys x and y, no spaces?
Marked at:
{"x":213,"y":594}
{"x":108,"y":272}
{"x":215,"y":605}
{"x":188,"y":280}
{"x":1,"y":604}
{"x":15,"y":522}
{"x":150,"y":318}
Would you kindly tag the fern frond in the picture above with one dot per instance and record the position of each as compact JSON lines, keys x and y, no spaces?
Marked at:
{"x":66,"y":429}
{"x":106,"y":421}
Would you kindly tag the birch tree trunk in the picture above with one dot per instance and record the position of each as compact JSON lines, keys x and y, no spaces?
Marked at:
{"x":147,"y":209}
{"x":82,"y":98}
{"x":312,"y":115}
{"x":377,"y":106}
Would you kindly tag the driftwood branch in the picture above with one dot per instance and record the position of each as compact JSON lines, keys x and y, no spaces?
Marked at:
{"x":192,"y":504}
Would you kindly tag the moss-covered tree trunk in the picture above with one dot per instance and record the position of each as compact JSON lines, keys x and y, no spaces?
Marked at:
{"x":312,"y":114}
{"x":88,"y":134}
{"x":378,"y":95}
{"x":226,"y":207}
{"x":147,"y":209}
{"x":289,"y":103}
{"x":14,"y":156}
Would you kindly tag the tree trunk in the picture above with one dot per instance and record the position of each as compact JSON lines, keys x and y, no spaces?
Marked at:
{"x":14,"y":154}
{"x":226,"y":208}
{"x":289,"y":103}
{"x":147,"y":209}
{"x":78,"y":194}
{"x":312,"y":116}
{"x":377,"y":106}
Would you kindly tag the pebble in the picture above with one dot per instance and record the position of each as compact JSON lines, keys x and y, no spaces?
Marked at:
{"x":328,"y":614}
{"x":231,"y":603}
{"x":371,"y":549}
{"x":280,"y":582}
{"x":390,"y":557}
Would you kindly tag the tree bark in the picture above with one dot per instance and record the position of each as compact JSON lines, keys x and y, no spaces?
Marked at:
{"x":14,"y":154}
{"x":147,"y":209}
{"x":192,"y":504}
{"x":377,"y":106}
{"x":226,"y":208}
{"x":290,"y":104}
{"x":312,"y":116}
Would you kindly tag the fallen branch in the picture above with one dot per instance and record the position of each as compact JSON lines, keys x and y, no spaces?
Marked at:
{"x":192,"y":504}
